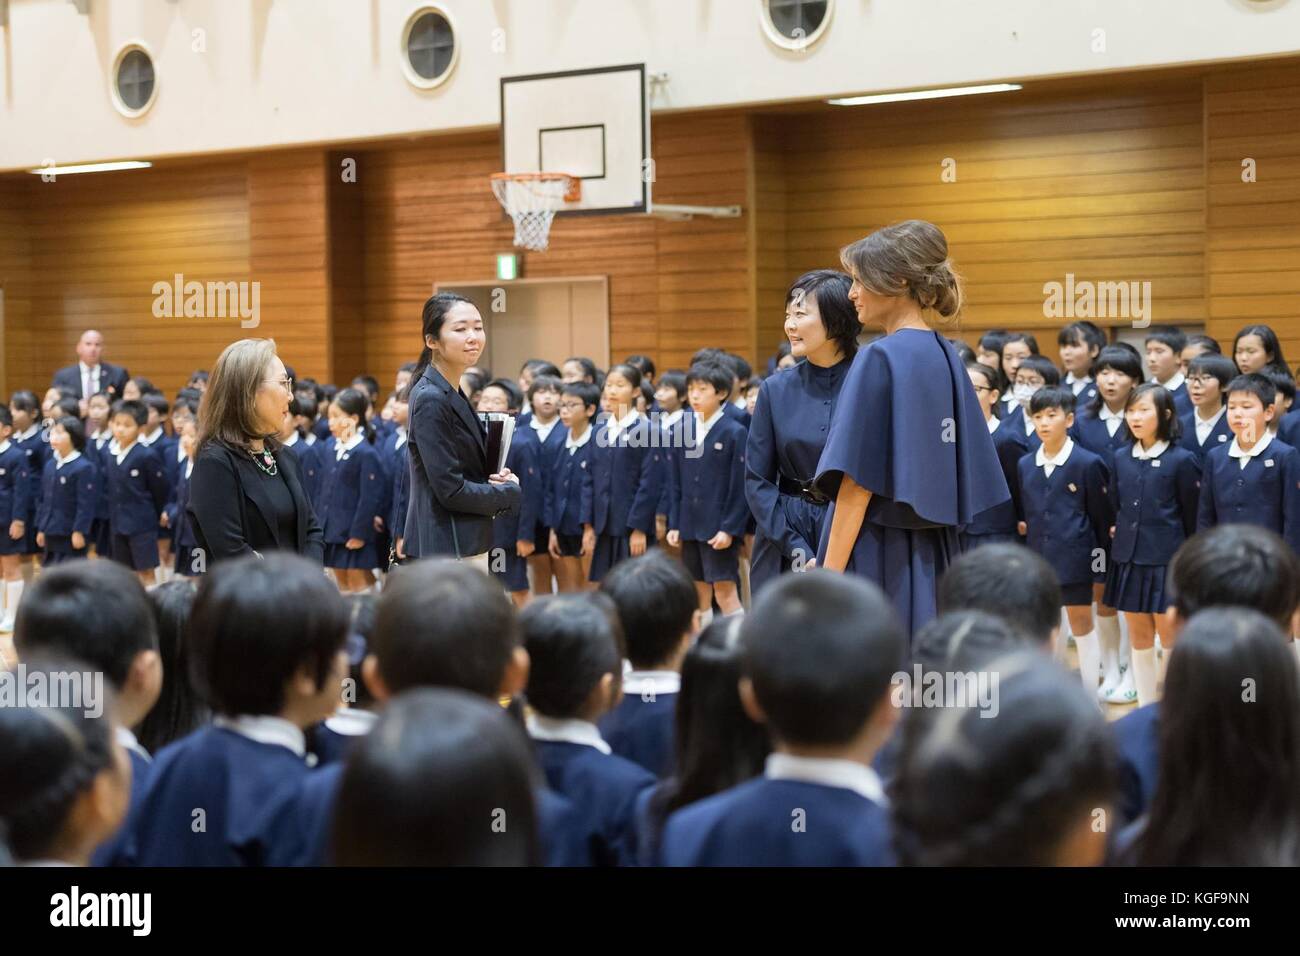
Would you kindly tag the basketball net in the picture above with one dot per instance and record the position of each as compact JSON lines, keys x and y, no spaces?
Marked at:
{"x":532,"y":199}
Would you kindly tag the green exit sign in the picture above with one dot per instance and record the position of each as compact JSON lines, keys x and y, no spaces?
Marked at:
{"x":507,"y":265}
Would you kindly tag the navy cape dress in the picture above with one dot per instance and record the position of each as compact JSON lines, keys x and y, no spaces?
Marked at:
{"x":908,"y":428}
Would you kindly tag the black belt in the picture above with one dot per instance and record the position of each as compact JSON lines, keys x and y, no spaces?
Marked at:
{"x":801,"y":489}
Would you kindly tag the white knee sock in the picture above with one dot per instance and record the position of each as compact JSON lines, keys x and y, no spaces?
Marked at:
{"x":1144,"y":674}
{"x":1108,"y":639}
{"x":1162,"y":665}
{"x":1089,"y":660}
{"x":13,"y":594}
{"x":706,"y":618}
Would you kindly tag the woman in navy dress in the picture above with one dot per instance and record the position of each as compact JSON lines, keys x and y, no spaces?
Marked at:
{"x":792,"y":418}
{"x":909,"y":458}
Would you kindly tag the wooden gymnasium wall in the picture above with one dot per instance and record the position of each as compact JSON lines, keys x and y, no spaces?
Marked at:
{"x":17,"y":341}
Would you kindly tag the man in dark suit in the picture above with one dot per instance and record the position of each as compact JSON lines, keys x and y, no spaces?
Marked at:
{"x":90,"y":375}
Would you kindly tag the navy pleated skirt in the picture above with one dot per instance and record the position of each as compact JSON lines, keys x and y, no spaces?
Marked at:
{"x":1137,"y":588}
{"x":340,"y":556}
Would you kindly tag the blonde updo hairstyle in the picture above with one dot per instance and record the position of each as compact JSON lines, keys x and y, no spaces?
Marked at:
{"x":908,"y":258}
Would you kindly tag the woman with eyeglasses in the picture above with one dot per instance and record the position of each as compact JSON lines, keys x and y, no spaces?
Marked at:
{"x":246,"y":493}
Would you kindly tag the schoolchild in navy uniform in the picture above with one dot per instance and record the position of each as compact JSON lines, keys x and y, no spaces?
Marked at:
{"x":351,"y":495}
{"x":1164,"y":352}
{"x":178,"y":711}
{"x":333,"y":738}
{"x":99,"y":435}
{"x":997,"y":525}
{"x":1199,"y":344}
{"x":368,"y":386}
{"x":303,"y":411}
{"x":512,"y":534}
{"x":792,"y":418}
{"x":15,"y":495}
{"x":1066,"y":516}
{"x":568,"y":494}
{"x":670,"y":405}
{"x":267,"y":637}
{"x":1155,"y":484}
{"x":576,"y":666}
{"x":542,"y":428}
{"x":988,"y":351}
{"x":189,"y":561}
{"x":730,"y":363}
{"x":1228,"y":791}
{"x":1255,"y":479}
{"x":529,"y":372}
{"x":1256,"y":348}
{"x":825,"y":700}
{"x":69,"y":493}
{"x":655,"y":600}
{"x":299,"y":438}
{"x":1016,"y":347}
{"x":579,"y":368}
{"x":1099,"y":426}
{"x":137,"y":491}
{"x":717,"y":745}
{"x":626,"y":476}
{"x":1019,"y":786}
{"x":66,"y":780}
{"x":95,"y":611}
{"x":399,"y":467}
{"x":26,"y":413}
{"x":1008,"y":581}
{"x":707,"y":509}
{"x":1284,"y":385}
{"x":1032,"y":373}
{"x":1079,"y":344}
{"x":1231,"y":566}
{"x":1206,"y":428}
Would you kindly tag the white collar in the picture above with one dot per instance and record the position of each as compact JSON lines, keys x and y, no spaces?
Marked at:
{"x":993,"y":424}
{"x":311,"y":439}
{"x":119,"y":452}
{"x":672,"y":418}
{"x":570,"y":443}
{"x":104,"y":434}
{"x":292,"y":440}
{"x":5,"y":446}
{"x":614,"y":427}
{"x":830,"y":772}
{"x":1213,"y":420}
{"x":88,"y":368}
{"x":1071,"y":379}
{"x":351,"y":721}
{"x":1175,"y":381}
{"x":653,"y":682}
{"x":543,"y":431}
{"x":400,"y":432}
{"x":148,"y":440}
{"x":341,"y":449}
{"x":566,"y":730}
{"x":189,"y":466}
{"x":702,"y":427}
{"x":1106,"y":415}
{"x":1062,"y":456}
{"x":1156,"y":451}
{"x":1236,"y":451}
{"x":265,"y":729}
{"x":60,"y":462}
{"x":128,"y":740}
{"x":23,"y":436}
{"x":1029,"y":422}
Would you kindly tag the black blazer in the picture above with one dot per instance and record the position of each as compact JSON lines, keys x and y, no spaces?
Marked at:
{"x":111,"y":377}
{"x":223,"y":485}
{"x":451,"y":504}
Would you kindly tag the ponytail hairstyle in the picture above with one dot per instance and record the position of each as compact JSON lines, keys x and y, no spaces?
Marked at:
{"x":432,"y":317}
{"x":50,"y":756}
{"x":908,"y":258}
{"x":353,"y":401}
{"x":1005,"y":788}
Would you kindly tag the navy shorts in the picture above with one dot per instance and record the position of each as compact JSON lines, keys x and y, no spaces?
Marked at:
{"x":541,"y":539}
{"x":570,"y":545}
{"x":137,"y":551}
{"x":58,"y":548}
{"x":1076,"y":595}
{"x":709,"y":565}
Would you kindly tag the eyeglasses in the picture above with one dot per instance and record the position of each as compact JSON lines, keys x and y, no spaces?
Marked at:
{"x":985,"y":388}
{"x":285,"y":383}
{"x":1200,"y":379}
{"x":571,"y":405}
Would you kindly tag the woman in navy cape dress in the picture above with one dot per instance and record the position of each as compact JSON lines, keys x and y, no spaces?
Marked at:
{"x":907,"y":432}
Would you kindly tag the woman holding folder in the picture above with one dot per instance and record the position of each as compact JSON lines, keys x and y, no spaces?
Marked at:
{"x":454,"y":493}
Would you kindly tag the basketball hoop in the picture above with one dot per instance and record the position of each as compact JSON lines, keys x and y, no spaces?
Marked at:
{"x":532,"y":200}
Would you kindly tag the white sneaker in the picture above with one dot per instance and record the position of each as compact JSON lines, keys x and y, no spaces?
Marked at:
{"x":1125,"y":692}
{"x":1110,"y":680}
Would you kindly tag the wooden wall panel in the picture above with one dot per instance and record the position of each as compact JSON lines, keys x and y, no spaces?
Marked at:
{"x":18,"y":340}
{"x":1253,"y":228}
{"x":771,"y":223}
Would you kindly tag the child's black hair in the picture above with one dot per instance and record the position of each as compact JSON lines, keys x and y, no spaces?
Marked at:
{"x":709,"y":354}
{"x":136,"y":411}
{"x":75,"y":429}
{"x":1083,"y":333}
{"x":1053,"y":396}
{"x":158,"y":402}
{"x":1025,"y":337}
{"x":589,"y":371}
{"x":538,"y":368}
{"x":1228,"y":785}
{"x":144,"y":385}
{"x":714,"y":374}
{"x":643,"y":364}
{"x":545,"y":383}
{"x":6,"y":417}
{"x":95,"y":611}
{"x":1215,"y":365}
{"x":178,"y":710}
{"x":49,"y":756}
{"x":1283,"y":384}
{"x":514,"y":395}
{"x":1268,"y":338}
{"x":256,"y":623}
{"x":1168,"y":426}
{"x":199,"y":375}
{"x":1167,"y":335}
{"x":572,"y":644}
{"x":676,"y":381}
{"x":362,"y":609}
{"x":822,"y":688}
{"x":830,"y":288}
{"x":370,"y":384}
{"x":629,"y":372}
{"x":1233,"y":564}
{"x":25,"y":400}
{"x":964,"y":352}
{"x":1009,"y":581}
{"x":656,"y":603}
{"x":1121,"y":357}
{"x":965,"y":641}
{"x":647,"y":392}
{"x":355,"y":403}
{"x":742,"y":369}
{"x":717,"y":744}
{"x":1042,"y":365}
{"x":66,"y":407}
{"x":444,"y":779}
{"x":589,"y":393}
{"x":1255,"y":384}
{"x":992,"y":340}
{"x":442,"y":623}
{"x":1005,"y":787}
{"x":1207,"y":342}
{"x":305,"y":406}
{"x":992,"y":377}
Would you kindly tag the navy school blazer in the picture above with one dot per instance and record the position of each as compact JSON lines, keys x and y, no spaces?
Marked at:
{"x":37,"y":452}
{"x":1001,"y":519}
{"x":1090,"y":432}
{"x":137,"y":490}
{"x":1137,"y":745}
{"x":1265,"y":493}
{"x":353,"y":495}
{"x":15,"y":487}
{"x":568,"y":493}
{"x":1220,"y":436}
{"x":452,"y":504}
{"x":1069,"y":514}
{"x":706,"y":479}
{"x":626,"y":477}
{"x":68,"y":497}
{"x":1157,"y":503}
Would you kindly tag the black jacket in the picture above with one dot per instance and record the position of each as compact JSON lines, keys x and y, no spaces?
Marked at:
{"x":112,"y":378}
{"x":231,"y":514}
{"x":451,"y":503}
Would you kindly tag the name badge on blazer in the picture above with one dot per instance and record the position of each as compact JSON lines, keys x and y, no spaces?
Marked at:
{"x":717,"y":446}
{"x":1223,"y":438}
{"x":2,"y":471}
{"x":1073,"y":487}
{"x":1269,"y":463}
{"x":582,"y":464}
{"x":135,"y":472}
{"x":1155,"y":462}
{"x":63,"y":479}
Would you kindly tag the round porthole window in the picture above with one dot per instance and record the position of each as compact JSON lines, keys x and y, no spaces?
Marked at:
{"x":135,"y":85}
{"x":795,"y":24}
{"x":429,"y":48}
